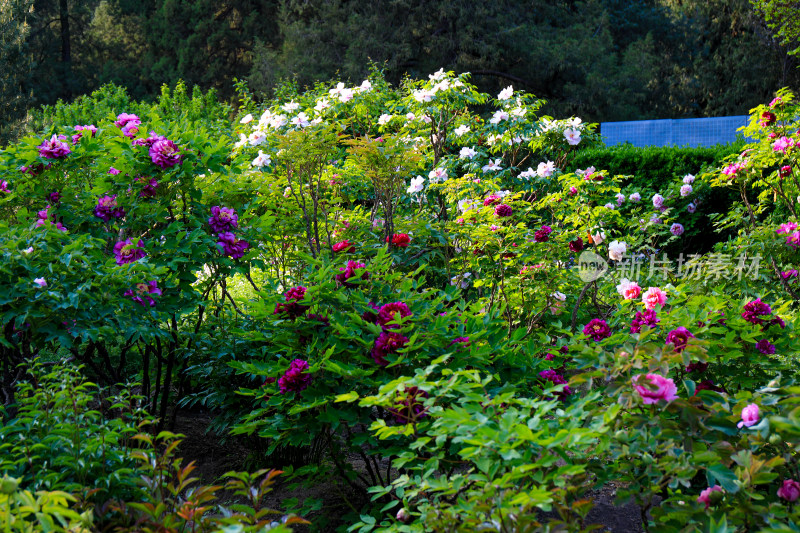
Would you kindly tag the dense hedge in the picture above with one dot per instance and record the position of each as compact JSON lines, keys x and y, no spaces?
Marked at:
{"x":651,"y":166}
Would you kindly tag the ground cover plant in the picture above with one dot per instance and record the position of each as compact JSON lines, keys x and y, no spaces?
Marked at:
{"x":408,"y":291}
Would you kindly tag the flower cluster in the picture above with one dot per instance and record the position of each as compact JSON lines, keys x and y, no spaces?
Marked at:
{"x":755,"y":310}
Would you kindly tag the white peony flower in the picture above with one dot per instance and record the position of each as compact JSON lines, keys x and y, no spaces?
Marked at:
{"x":506,"y":93}
{"x":262,"y":160}
{"x":616,"y":250}
{"x":246,"y":119}
{"x":572,"y":136}
{"x":417,"y":185}
{"x":545,"y":170}
{"x":492,"y":166}
{"x":461,"y":130}
{"x":467,"y":153}
{"x":384,"y":119}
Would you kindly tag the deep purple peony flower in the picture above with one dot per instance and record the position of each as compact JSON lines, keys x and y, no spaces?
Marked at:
{"x":165,"y":153}
{"x":388,"y":342}
{"x":679,"y":338}
{"x":597,"y":329}
{"x":576,"y":245}
{"x":351,"y":270}
{"x":143,"y":292}
{"x":294,"y":380}
{"x":223,"y":219}
{"x":765,"y":347}
{"x":648,"y":318}
{"x":503,"y":210}
{"x":127,"y":252}
{"x":54,"y":148}
{"x":543,"y":235}
{"x":754,"y":310}
{"x":408,"y":408}
{"x":54,"y":197}
{"x":107,"y":208}
{"x":231,"y":246}
{"x":388,"y":313}
{"x":492,"y":199}
{"x":149,"y":141}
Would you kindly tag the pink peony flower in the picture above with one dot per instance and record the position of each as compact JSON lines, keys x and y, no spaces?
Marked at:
{"x":573,"y":191}
{"x":750,"y":416}
{"x":653,"y":297}
{"x":54,"y":148}
{"x":658,"y":201}
{"x":41,"y":282}
{"x":782,"y":144}
{"x":292,"y":307}
{"x":128,"y":252}
{"x":789,"y":491}
{"x":4,"y":186}
{"x":705,"y":495}
{"x":165,"y":153}
{"x":124,"y":119}
{"x":658,"y":388}
{"x":597,"y":329}
{"x":492,"y":199}
{"x":629,"y":290}
{"x":294,"y":379}
{"x":80,"y":131}
{"x":113,"y":171}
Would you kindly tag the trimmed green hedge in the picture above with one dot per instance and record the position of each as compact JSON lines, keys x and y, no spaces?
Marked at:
{"x":652,"y":167}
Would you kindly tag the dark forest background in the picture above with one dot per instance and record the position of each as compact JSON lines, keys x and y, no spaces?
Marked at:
{"x":603,"y":60}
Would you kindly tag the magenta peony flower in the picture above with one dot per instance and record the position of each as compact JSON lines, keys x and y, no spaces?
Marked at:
{"x":130,"y":130}
{"x":503,"y":210}
{"x":149,"y":141}
{"x":657,"y":388}
{"x":707,"y":384}
{"x":351,"y":270}
{"x":782,"y":144}
{"x":676,"y":229}
{"x":54,"y":197}
{"x":576,"y":245}
{"x":461,"y":341}
{"x":232,"y":246}
{"x":754,"y":310}
{"x":106,"y":208}
{"x":388,"y":342}
{"x":408,"y":408}
{"x":556,"y":379}
{"x":223,"y":219}
{"x":785,"y":171}
{"x":597,"y":329}
{"x":543,"y":235}
{"x":344,"y":246}
{"x":750,"y":416}
{"x":4,"y":186}
{"x":54,"y":148}
{"x":81,"y":130}
{"x":705,"y":495}
{"x":491,"y":200}
{"x":789,"y":491}
{"x":732,"y":169}
{"x":388,"y":313}
{"x":149,"y":190}
{"x":679,"y":338}
{"x":294,"y":380}
{"x":648,"y":318}
{"x":786,"y":228}
{"x":127,"y":252}
{"x":143,"y":292}
{"x":767,"y":119}
{"x":292,"y":307}
{"x":113,"y":171}
{"x":653,"y":297}
{"x":165,"y":154}
{"x":573,"y":191}
{"x":765,"y":347}
{"x":124,"y":119}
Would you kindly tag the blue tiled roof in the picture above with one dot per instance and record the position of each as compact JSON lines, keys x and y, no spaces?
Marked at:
{"x":674,"y":132}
